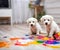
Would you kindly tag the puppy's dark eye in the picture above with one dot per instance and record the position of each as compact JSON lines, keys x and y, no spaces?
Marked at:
{"x":33,"y":21}
{"x":29,"y":22}
{"x":48,"y":20}
{"x":44,"y":19}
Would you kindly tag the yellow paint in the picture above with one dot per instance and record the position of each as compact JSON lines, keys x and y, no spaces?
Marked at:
{"x":45,"y":38}
{"x":24,"y":44}
{"x":59,"y":33}
{"x":33,"y":42}
{"x":54,"y":46}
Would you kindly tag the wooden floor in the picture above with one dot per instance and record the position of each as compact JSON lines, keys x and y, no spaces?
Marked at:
{"x":18,"y":31}
{"x":15,"y":31}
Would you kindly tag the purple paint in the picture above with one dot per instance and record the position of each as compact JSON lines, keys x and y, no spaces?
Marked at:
{"x":52,"y":42}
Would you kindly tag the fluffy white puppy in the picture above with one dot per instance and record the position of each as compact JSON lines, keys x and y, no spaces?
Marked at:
{"x":34,"y":26}
{"x":50,"y":25}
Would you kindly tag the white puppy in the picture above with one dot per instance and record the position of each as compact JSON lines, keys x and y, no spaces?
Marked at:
{"x":34,"y":26}
{"x":50,"y":25}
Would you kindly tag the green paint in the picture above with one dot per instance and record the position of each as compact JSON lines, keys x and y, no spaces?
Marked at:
{"x":40,"y":41}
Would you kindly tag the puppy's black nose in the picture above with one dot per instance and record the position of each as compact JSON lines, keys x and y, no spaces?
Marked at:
{"x":31,"y":24}
{"x":46,"y":23}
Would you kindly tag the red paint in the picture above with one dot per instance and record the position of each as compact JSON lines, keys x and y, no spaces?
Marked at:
{"x":44,"y":44}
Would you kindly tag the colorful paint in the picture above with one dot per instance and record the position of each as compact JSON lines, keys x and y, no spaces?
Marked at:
{"x":37,"y":40}
{"x":33,"y":40}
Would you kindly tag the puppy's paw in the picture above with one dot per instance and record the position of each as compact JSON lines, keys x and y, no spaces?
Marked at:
{"x":48,"y":36}
{"x":37,"y":34}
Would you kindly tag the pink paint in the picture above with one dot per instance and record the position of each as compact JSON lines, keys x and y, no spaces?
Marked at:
{"x":17,"y":43}
{"x":40,"y":37}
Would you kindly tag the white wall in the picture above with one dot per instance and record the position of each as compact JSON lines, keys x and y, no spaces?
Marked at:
{"x":52,"y":7}
{"x":21,"y":11}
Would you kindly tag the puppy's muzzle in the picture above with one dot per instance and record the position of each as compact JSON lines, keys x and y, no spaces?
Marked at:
{"x":46,"y":23}
{"x":31,"y":24}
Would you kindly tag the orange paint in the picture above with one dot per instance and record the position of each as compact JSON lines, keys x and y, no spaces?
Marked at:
{"x":4,"y":44}
{"x":14,"y":38}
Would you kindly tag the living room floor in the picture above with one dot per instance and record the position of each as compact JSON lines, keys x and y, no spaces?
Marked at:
{"x":19,"y":30}
{"x":16,"y":30}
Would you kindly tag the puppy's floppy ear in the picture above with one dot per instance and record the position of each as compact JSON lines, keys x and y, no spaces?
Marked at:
{"x":27,"y":20}
{"x":41,"y":19}
{"x":35,"y":19}
{"x":52,"y":18}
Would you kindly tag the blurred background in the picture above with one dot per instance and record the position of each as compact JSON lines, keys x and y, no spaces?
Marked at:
{"x":18,"y":11}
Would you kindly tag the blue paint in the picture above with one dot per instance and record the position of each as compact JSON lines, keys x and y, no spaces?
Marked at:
{"x":26,"y":35}
{"x":52,"y":42}
{"x":31,"y":37}
{"x":5,"y":37}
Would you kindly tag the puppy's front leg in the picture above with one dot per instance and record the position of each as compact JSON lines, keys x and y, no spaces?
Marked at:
{"x":37,"y":32}
{"x":51,"y":33}
{"x":30,"y":32}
